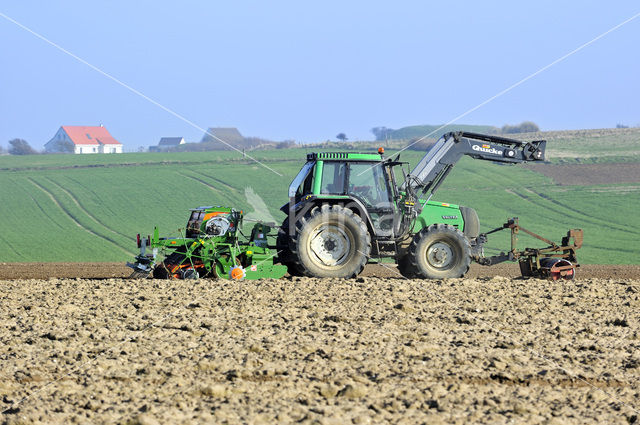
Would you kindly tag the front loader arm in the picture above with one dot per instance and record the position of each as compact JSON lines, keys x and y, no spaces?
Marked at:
{"x":440,"y":159}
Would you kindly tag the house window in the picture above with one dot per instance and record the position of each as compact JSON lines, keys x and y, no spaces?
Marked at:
{"x":88,"y":136}
{"x":94,"y":150}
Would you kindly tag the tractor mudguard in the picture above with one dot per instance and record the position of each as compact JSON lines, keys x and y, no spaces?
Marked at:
{"x":438,"y":212}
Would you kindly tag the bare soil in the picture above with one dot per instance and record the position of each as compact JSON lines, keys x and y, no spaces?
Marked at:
{"x":589,"y":174}
{"x":11,"y":271}
{"x":320,"y":351}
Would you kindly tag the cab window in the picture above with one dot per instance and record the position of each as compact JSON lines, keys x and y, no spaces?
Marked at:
{"x":367,"y":182}
{"x":333,"y":178}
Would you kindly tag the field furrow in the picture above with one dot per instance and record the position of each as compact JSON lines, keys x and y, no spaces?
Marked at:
{"x":75,"y":200}
{"x":584,"y":216}
{"x":216,"y":190}
{"x":44,"y":212}
{"x":6,"y":243}
{"x":223,"y":183}
{"x":73,"y":218}
{"x":549,"y":205}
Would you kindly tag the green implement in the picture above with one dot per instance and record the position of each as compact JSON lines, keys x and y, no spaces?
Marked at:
{"x":211,"y":247}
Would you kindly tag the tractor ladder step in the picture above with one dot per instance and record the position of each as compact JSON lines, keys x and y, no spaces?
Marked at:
{"x":385,"y":248}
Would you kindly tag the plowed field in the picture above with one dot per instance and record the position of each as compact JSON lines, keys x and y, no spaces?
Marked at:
{"x":297,"y":350}
{"x":12,"y":271}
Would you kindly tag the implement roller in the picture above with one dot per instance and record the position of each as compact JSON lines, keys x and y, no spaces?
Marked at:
{"x":552,"y":262}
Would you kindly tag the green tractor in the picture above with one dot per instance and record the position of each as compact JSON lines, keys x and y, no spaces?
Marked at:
{"x":346,"y":209}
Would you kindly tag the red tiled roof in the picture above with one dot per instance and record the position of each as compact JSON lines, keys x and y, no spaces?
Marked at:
{"x":89,"y":135}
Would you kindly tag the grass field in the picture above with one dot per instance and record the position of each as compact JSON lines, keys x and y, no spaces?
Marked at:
{"x":89,"y":208}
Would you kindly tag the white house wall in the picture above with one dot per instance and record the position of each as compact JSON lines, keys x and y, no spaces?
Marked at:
{"x":84,"y":149}
{"x":110,"y":149}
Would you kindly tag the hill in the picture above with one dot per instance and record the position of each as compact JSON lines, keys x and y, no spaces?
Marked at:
{"x":419,"y":131}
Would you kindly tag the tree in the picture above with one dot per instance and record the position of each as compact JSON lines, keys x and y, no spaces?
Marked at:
{"x":20,"y":147}
{"x":382,"y":133}
{"x":342,"y":137}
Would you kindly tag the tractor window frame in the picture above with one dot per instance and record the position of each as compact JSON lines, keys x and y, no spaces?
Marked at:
{"x":304,"y":172}
{"x":306,"y":186}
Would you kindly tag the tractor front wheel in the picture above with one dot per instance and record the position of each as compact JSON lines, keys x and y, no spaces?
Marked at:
{"x":440,"y":251}
{"x":332,"y":241}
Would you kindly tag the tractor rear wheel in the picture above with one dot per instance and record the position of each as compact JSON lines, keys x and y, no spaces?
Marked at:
{"x":440,"y":251}
{"x":283,"y":247}
{"x":332,"y":241}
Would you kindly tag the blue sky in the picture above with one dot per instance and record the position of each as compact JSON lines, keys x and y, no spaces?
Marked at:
{"x":309,"y":70}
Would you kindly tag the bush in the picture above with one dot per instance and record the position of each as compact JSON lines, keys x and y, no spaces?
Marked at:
{"x":524,"y":127}
{"x":20,"y":147}
{"x":286,"y":144}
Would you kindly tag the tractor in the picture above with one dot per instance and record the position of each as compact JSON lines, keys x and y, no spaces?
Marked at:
{"x":346,"y":209}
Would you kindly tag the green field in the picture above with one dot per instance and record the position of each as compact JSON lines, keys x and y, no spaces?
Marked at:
{"x":90,"y":207}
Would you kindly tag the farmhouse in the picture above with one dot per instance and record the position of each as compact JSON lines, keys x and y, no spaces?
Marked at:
{"x":230,"y":135}
{"x":83,"y":139}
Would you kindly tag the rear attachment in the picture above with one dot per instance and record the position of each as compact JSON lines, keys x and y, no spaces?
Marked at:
{"x":211,"y":246}
{"x":552,"y":262}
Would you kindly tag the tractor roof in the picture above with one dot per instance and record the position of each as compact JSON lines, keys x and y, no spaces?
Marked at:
{"x":342,"y":156}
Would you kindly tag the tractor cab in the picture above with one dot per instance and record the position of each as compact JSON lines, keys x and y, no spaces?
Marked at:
{"x":359,"y":178}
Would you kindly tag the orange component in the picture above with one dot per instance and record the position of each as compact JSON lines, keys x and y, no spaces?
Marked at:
{"x":381,"y":150}
{"x":236,"y":273}
{"x":212,"y":214}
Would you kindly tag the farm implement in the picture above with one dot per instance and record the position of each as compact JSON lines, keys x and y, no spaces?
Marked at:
{"x":552,"y":262}
{"x":346,"y":209}
{"x":210,"y":247}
